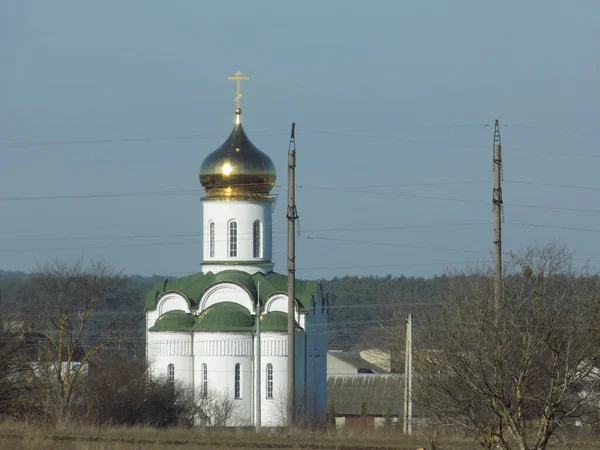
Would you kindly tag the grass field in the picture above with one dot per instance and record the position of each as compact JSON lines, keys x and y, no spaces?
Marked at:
{"x":16,"y":436}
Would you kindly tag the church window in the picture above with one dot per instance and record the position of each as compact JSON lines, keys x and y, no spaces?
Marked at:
{"x":211,"y":239}
{"x":233,"y":239}
{"x":269,"y":380}
{"x":237,"y":381}
{"x":171,"y":373}
{"x":204,"y":388}
{"x":256,"y":239}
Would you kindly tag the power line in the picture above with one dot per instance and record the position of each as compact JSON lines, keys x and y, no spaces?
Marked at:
{"x":347,"y":188}
{"x":241,"y":233}
{"x":154,"y":244}
{"x":359,"y":266}
{"x":201,"y":191}
{"x":560,"y":130}
{"x":391,"y":244}
{"x":564,"y":186}
{"x":266,"y":133}
{"x":535,"y":225}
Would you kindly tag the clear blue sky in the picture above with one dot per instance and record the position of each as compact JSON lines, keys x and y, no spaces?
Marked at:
{"x":383,"y":93}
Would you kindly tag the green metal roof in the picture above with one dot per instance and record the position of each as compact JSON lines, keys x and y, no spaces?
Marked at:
{"x":226,"y":316}
{"x":194,"y":286}
{"x":175,"y":320}
{"x":276,"y":321}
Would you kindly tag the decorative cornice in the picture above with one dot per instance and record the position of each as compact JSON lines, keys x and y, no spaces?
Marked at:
{"x":238,"y":263}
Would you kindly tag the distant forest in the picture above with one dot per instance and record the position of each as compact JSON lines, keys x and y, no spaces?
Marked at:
{"x":362,"y":310}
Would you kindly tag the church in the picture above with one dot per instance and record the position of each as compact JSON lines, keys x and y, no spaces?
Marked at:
{"x":202,"y":329}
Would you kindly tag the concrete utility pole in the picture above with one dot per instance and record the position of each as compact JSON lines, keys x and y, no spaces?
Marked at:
{"x":292,"y":216}
{"x":497,"y":211}
{"x":408,"y":378}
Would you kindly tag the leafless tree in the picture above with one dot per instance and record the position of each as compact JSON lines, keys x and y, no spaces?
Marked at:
{"x":516,"y":379}
{"x":13,"y":366}
{"x":65,"y":298}
{"x":303,"y":417}
{"x":217,"y":409}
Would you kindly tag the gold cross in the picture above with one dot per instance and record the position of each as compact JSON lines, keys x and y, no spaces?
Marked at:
{"x":238,"y":77}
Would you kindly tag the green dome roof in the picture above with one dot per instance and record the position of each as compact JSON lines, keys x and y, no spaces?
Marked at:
{"x":175,"y":320}
{"x":276,"y":321}
{"x":226,"y":316}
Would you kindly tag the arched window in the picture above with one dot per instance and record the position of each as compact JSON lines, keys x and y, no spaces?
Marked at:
{"x":233,"y":239}
{"x":269,"y":380}
{"x":237,"y":382}
{"x":211,"y":239}
{"x":256,"y":244}
{"x":171,"y":373}
{"x":204,"y":388}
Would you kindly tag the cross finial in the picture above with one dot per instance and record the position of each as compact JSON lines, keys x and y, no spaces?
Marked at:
{"x":238,"y":77}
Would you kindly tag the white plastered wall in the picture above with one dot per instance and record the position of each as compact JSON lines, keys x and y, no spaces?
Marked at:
{"x":226,"y":292}
{"x":221,"y":352}
{"x":168,"y":347}
{"x":274,"y":351}
{"x":244,"y":213}
{"x":157,"y":342}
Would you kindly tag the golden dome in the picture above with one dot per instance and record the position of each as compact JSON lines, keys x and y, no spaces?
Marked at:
{"x":237,"y":169}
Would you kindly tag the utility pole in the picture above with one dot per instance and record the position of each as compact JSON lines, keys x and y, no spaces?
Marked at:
{"x":292,"y":216}
{"x":408,"y":378}
{"x":497,"y":211}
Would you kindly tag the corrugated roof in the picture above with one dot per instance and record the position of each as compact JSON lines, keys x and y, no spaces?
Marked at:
{"x":355,"y":360}
{"x":382,"y":394}
{"x":194,"y":286}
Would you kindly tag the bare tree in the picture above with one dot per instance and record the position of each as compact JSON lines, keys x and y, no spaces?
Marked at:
{"x":13,"y":366}
{"x":516,"y":379}
{"x":217,"y":409}
{"x":65,"y":299}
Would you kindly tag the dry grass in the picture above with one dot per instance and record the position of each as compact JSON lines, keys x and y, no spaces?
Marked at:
{"x":17,"y":436}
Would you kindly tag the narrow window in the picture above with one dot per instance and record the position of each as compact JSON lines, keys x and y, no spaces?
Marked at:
{"x":171,"y":373}
{"x":211,"y":240}
{"x":237,"y":387}
{"x":232,"y":239}
{"x":204,"y":389}
{"x":269,"y":380}
{"x":256,"y":238}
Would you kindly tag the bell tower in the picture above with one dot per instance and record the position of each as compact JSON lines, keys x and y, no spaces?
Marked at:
{"x":238,"y":179}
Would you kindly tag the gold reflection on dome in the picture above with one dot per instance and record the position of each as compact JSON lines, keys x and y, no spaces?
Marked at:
{"x":237,"y":169}
{"x":226,"y":169}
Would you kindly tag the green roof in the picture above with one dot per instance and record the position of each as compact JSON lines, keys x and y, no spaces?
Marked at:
{"x":275,"y":321}
{"x":194,"y":286}
{"x":175,"y":320}
{"x":226,"y":316}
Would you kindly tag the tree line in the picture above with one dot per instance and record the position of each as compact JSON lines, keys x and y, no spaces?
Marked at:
{"x":519,"y":377}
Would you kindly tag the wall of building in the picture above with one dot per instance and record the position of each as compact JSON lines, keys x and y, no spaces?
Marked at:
{"x":220,"y":351}
{"x":167,"y":347}
{"x":274,"y":350}
{"x":336,"y":366}
{"x":314,"y":353}
{"x":244,"y":213}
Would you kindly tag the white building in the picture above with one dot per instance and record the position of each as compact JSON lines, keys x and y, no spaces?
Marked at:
{"x":201,"y":329}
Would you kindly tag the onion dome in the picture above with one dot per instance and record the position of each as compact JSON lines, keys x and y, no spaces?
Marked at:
{"x":226,"y":316}
{"x":237,"y":169}
{"x":175,"y":320}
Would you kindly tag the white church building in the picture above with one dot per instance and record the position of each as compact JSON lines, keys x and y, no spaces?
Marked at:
{"x":201,"y":329}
